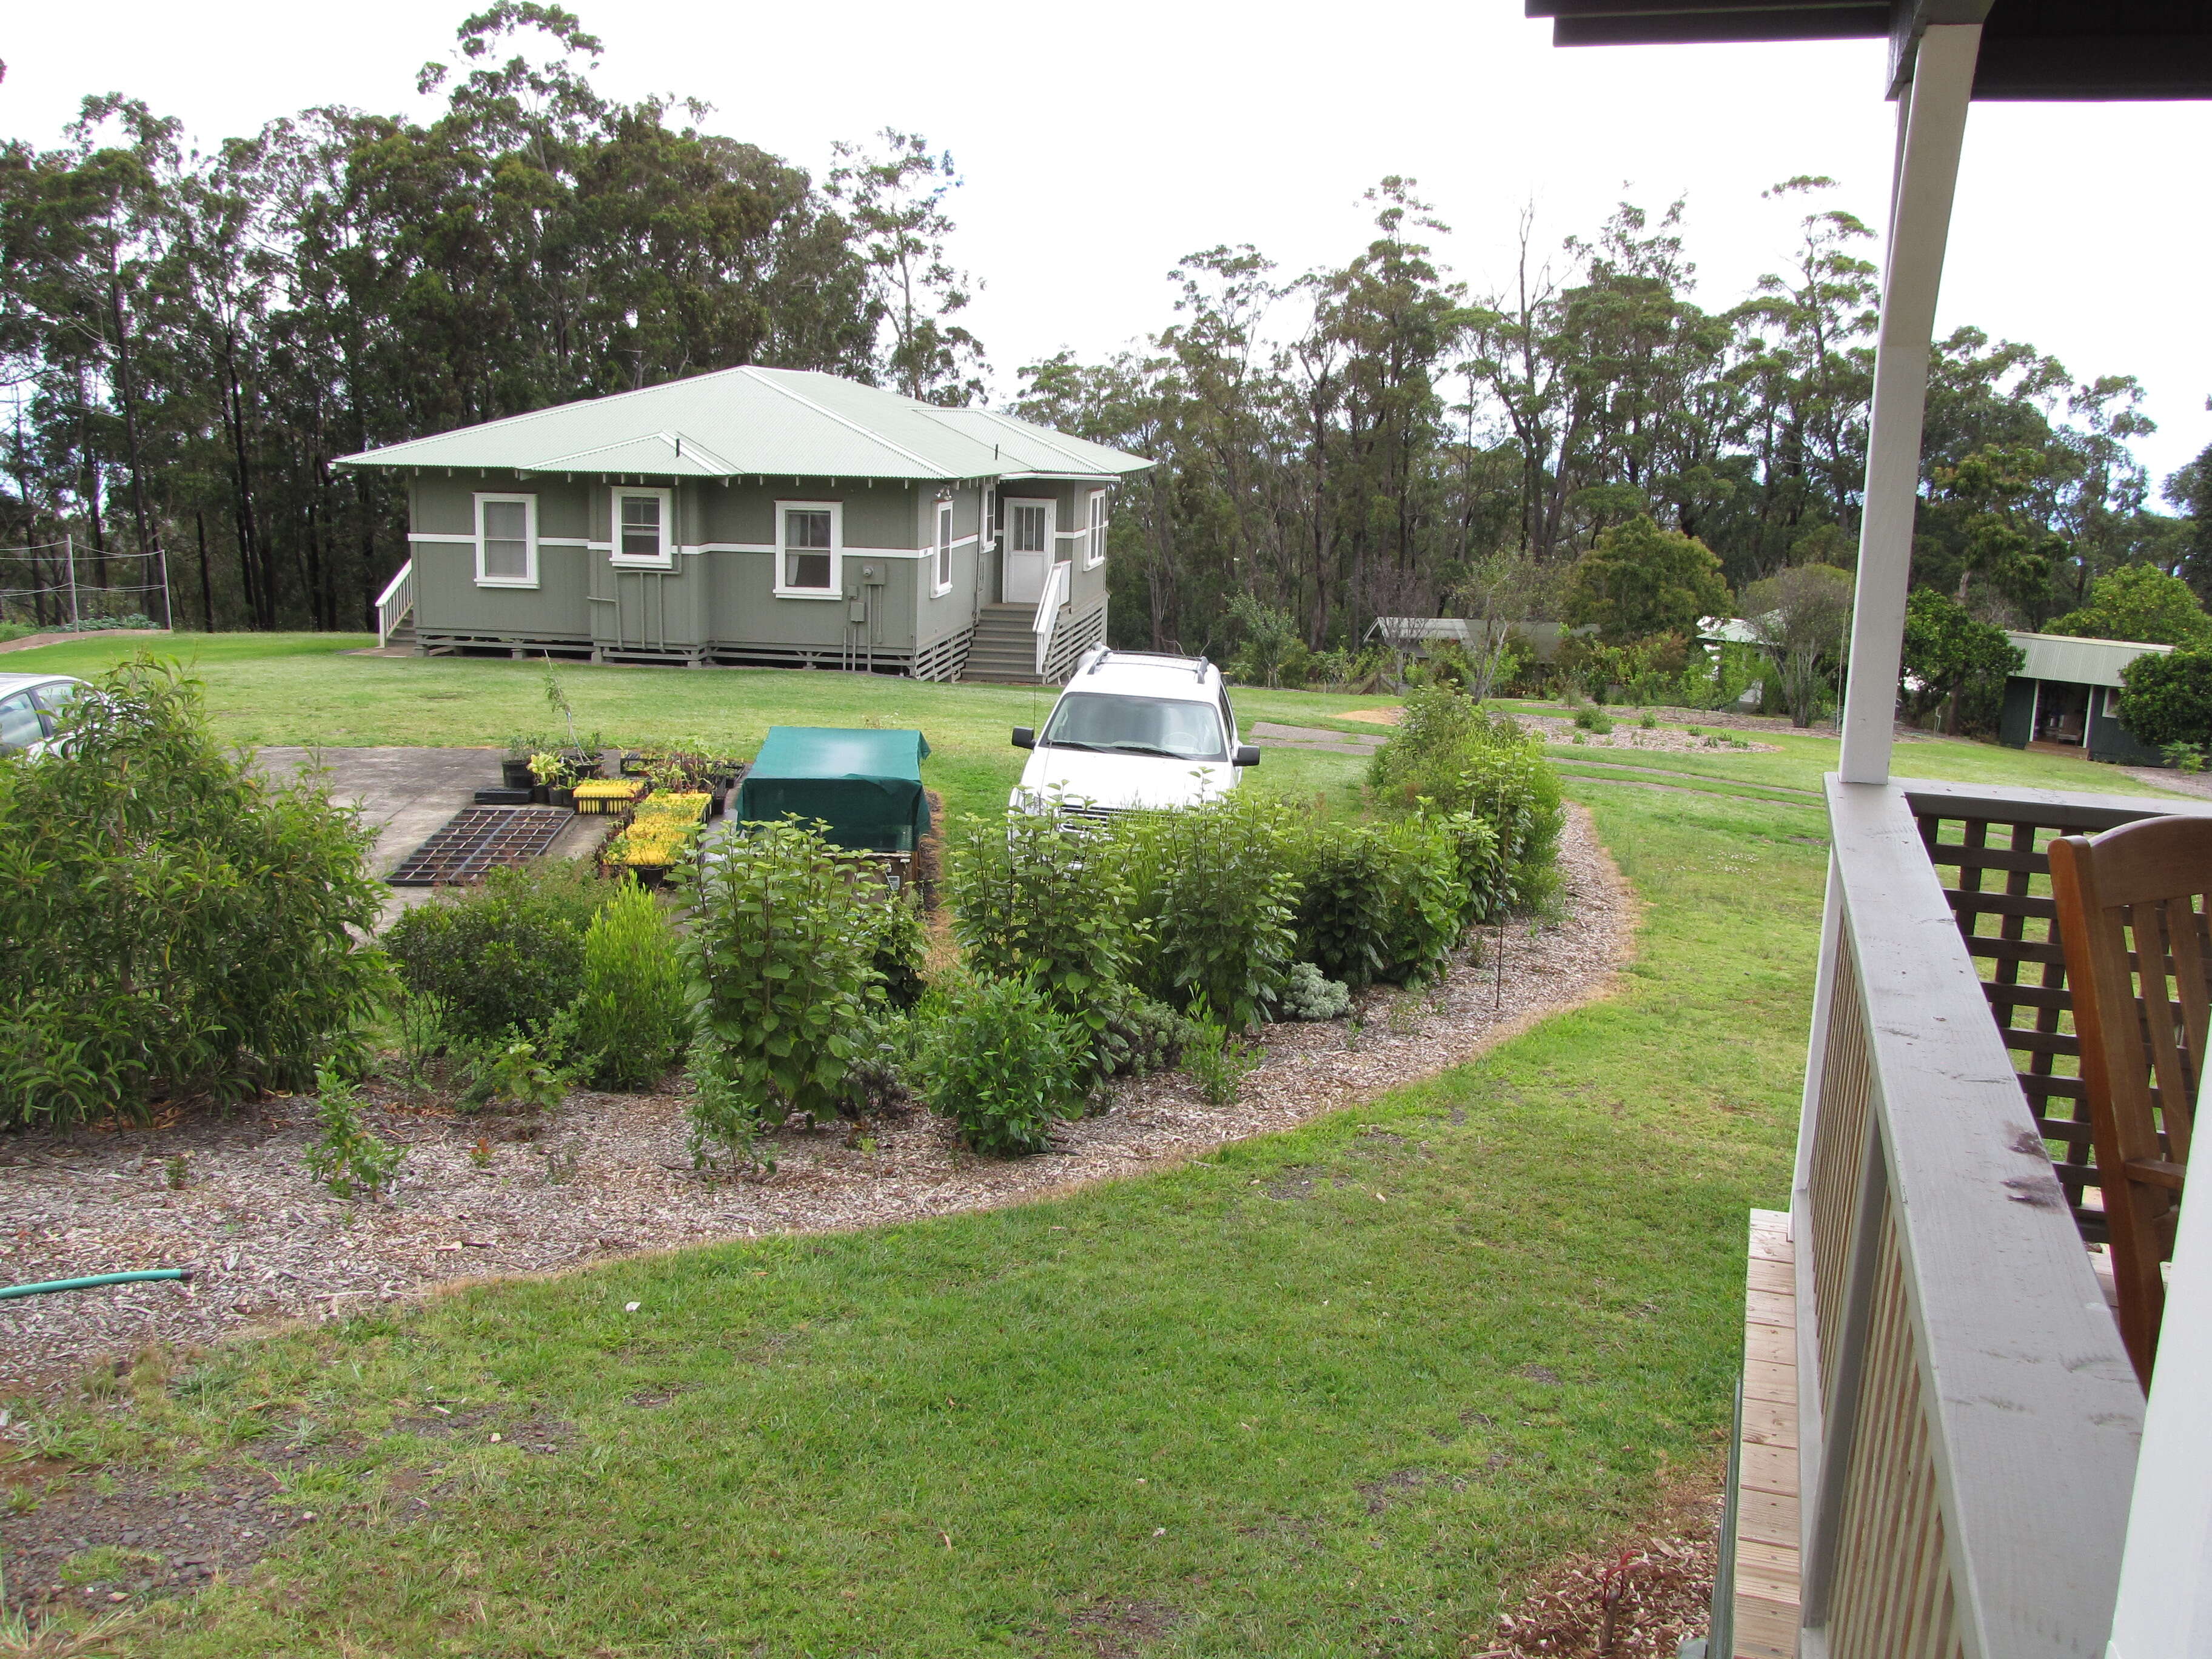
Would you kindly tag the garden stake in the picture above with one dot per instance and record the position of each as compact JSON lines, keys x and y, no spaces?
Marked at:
{"x":1497,"y":1000}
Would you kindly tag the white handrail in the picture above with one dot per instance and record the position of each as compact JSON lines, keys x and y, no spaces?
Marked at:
{"x":1048,"y":611}
{"x":395,"y":602}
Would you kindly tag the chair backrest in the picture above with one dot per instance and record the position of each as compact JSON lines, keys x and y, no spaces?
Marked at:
{"x":2132,"y":918}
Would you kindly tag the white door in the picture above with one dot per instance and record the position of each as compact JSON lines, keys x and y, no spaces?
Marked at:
{"x":1029,"y":551}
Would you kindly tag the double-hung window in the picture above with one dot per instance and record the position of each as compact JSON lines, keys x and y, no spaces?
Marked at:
{"x":1094,"y":545}
{"x":944,"y":582}
{"x":810,"y":545}
{"x":644,"y":528}
{"x":507,"y":541}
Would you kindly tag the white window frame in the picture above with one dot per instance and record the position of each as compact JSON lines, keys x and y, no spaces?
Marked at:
{"x":941,"y":570}
{"x":529,"y":540}
{"x":1094,"y":543}
{"x":664,"y":559}
{"x":837,"y":512}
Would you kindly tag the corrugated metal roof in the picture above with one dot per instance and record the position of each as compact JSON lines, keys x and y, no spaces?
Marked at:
{"x":2077,"y":661}
{"x":761,"y":421}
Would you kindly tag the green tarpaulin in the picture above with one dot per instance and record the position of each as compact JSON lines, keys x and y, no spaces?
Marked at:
{"x":866,"y":786}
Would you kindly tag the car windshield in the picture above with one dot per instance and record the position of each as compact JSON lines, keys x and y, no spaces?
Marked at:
{"x":1136,"y":726}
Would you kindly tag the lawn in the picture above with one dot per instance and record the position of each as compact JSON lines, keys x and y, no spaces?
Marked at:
{"x":1327,"y":1392}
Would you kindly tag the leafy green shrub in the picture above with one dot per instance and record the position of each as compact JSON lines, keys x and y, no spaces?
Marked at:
{"x":1033,"y":896}
{"x":1218,"y":1062}
{"x":1308,"y":995}
{"x":1214,"y":896}
{"x":2184,"y":757}
{"x":1592,"y":720}
{"x":176,"y":923}
{"x":1140,"y":1035}
{"x":900,"y":947}
{"x":506,"y":956}
{"x":1512,"y":788}
{"x":782,"y":952}
{"x":633,"y":1016}
{"x":1002,"y":1061}
{"x":1381,"y":901}
{"x":518,"y":1074}
{"x":2168,"y":698}
{"x":345,"y":1158}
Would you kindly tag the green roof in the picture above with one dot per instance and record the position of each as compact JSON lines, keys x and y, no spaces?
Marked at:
{"x":763,"y":423}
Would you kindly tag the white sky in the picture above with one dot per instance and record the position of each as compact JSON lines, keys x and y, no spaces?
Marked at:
{"x":1101,"y":144}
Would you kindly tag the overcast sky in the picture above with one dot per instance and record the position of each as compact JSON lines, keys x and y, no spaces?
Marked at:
{"x":1102,"y":143}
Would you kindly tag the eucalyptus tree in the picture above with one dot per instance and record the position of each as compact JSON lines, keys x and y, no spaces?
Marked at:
{"x":895,"y":202}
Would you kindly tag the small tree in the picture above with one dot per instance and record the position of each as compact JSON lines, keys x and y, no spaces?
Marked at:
{"x":1802,"y":616}
{"x":1639,"y":580}
{"x":2166,"y":698}
{"x":1270,"y":638}
{"x":1501,"y":592}
{"x":1949,"y":656}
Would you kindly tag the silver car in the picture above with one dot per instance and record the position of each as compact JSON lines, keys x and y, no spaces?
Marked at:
{"x":31,"y":707}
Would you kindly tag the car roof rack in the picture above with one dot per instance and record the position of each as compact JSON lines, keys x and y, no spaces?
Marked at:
{"x":1098,"y":660}
{"x":1199,"y":672}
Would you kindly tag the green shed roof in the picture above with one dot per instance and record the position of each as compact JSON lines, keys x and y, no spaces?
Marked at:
{"x":763,"y":423}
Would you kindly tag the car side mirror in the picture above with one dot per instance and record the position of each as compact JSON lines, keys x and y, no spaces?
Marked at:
{"x":1025,"y":738}
{"x":1248,"y":754}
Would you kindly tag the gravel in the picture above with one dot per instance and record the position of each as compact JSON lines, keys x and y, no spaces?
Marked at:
{"x":604,"y":1174}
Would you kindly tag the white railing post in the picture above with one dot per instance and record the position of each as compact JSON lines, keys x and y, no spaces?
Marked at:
{"x":2166,"y":1571}
{"x":395,"y":602}
{"x":1047,"y":620}
{"x":1929,"y":139}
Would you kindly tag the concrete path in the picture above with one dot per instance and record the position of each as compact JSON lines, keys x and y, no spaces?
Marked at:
{"x":408,"y":794}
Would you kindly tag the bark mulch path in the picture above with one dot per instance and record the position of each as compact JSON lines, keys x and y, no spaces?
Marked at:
{"x":604,"y":1174}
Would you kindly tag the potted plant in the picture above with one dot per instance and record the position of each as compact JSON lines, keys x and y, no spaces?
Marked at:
{"x":554,"y":774}
{"x":514,"y":765}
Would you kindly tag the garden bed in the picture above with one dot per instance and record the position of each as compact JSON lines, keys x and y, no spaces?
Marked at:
{"x":604,"y":1174}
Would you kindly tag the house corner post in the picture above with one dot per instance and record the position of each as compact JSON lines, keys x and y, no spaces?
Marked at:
{"x":1930,"y":134}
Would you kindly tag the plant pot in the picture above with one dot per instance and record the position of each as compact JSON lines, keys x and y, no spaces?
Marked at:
{"x":582,"y":762}
{"x":537,"y":794}
{"x":632,"y":764}
{"x":515,"y":773}
{"x":562,"y":797}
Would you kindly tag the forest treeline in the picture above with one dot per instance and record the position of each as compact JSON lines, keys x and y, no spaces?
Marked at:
{"x":189,"y":339}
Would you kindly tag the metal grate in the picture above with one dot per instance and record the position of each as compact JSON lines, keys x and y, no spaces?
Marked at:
{"x":473,"y":841}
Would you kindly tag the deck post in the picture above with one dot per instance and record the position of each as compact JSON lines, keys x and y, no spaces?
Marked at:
{"x":2165,"y":1602}
{"x":1930,"y":135}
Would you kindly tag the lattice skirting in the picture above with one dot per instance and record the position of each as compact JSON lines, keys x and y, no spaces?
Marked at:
{"x":1074,"y":637}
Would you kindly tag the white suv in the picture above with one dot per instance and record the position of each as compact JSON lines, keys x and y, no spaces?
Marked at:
{"x":1133,"y":730}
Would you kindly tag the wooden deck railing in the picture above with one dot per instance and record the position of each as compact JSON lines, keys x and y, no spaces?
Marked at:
{"x":1967,"y":1419}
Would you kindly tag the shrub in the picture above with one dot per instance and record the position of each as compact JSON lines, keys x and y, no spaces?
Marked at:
{"x":780,"y":957}
{"x":899,"y":947}
{"x":506,"y":956}
{"x":1514,"y":790}
{"x":1590,"y":719}
{"x":634,"y":1017}
{"x":1308,"y":995}
{"x":518,"y":1073}
{"x":1218,"y":1062}
{"x":1448,"y":757}
{"x":1214,"y":897}
{"x":1002,"y":1061}
{"x":1140,"y":1035}
{"x":2168,"y":698}
{"x":176,"y":923}
{"x":1034,"y":897}
{"x":1381,"y":900}
{"x":347,"y":1159}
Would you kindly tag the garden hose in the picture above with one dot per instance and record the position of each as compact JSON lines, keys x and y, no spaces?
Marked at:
{"x":93,"y":1282}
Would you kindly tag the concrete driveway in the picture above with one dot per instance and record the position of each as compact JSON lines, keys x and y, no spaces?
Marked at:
{"x":408,"y":794}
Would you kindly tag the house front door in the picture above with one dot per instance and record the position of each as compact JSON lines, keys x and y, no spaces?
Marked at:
{"x":1029,"y":551}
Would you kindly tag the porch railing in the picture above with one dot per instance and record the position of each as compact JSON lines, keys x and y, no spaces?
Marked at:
{"x":1967,"y":1419}
{"x":395,"y":602}
{"x":1049,"y":604}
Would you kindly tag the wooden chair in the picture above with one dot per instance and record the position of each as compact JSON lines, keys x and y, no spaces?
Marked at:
{"x":2132,"y":920}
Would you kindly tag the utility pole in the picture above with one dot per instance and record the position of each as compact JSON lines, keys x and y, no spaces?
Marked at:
{"x":168,"y":604}
{"x":69,"y":543}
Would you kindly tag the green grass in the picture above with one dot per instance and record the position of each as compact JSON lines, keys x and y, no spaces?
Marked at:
{"x":1310,"y":1419}
{"x":304,"y":689}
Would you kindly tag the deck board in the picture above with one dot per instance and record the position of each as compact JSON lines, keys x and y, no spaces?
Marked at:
{"x":1766,"y":1543}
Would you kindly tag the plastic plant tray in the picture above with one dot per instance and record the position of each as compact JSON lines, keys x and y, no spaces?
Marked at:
{"x":477,"y":840}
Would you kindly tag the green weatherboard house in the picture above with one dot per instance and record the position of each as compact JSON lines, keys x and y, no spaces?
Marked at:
{"x":764,"y":516}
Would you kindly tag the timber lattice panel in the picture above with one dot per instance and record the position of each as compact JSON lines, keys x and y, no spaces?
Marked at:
{"x":1996,"y":875}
